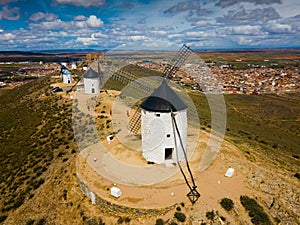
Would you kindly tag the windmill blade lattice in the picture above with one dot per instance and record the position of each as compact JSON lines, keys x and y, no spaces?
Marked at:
{"x":125,"y":78}
{"x":138,"y":89}
{"x":134,"y":125}
{"x":180,"y":57}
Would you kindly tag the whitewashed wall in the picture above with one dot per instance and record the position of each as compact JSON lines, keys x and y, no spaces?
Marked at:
{"x":90,"y":83}
{"x":154,"y":135}
{"x":67,"y":78}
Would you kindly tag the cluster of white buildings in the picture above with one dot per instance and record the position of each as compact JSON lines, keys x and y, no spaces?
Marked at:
{"x":233,"y":81}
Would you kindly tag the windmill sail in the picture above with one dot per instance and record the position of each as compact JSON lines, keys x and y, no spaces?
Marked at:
{"x":125,"y":78}
{"x":134,"y":125}
{"x":183,"y":53}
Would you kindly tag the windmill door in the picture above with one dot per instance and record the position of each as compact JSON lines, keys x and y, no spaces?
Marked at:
{"x":168,"y":153}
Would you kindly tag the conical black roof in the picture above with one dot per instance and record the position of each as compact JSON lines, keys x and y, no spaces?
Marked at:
{"x":163,"y":99}
{"x":91,"y":74}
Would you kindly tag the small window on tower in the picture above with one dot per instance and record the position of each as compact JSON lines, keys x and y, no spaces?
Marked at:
{"x":157,"y":114}
{"x":168,"y":135}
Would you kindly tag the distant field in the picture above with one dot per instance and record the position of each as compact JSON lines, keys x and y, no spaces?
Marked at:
{"x":11,"y":67}
{"x":275,"y":54}
{"x":16,"y":56}
{"x":269,"y":121}
{"x":281,"y":58}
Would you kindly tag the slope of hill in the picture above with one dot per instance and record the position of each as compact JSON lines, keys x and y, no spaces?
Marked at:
{"x":38,"y":181}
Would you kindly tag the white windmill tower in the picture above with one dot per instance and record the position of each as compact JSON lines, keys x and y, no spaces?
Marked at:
{"x":162,"y":118}
{"x":66,"y":75}
{"x":92,"y":80}
{"x":160,"y":142}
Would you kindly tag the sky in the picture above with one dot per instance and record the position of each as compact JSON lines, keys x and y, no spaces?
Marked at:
{"x":31,"y":25}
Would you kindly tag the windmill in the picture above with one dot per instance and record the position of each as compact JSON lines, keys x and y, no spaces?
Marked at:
{"x":92,"y":80}
{"x":162,"y":119}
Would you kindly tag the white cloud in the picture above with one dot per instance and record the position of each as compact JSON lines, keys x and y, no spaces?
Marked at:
{"x":94,"y":22}
{"x":159,"y":32}
{"x":183,"y":6}
{"x":196,"y":44}
{"x":227,"y":3}
{"x":175,"y":36}
{"x":57,"y":24}
{"x":146,"y":26}
{"x":5,"y":2}
{"x":86,"y":41}
{"x":10,"y":13}
{"x":84,"y":3}
{"x":199,"y":23}
{"x":8,"y":36}
{"x":138,"y":37}
{"x":195,"y":34}
{"x":99,"y":35}
{"x":243,"y":30}
{"x":245,"y":41}
{"x":157,"y":44}
{"x":51,"y":25}
{"x":129,"y":38}
{"x":80,"y":18}
{"x":276,"y":27}
{"x":249,"y":16}
{"x":43,"y":16}
{"x":94,"y":39}
{"x":80,"y":24}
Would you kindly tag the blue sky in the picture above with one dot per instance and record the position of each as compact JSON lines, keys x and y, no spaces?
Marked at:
{"x":157,"y":24}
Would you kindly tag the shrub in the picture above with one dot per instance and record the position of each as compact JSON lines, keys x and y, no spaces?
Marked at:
{"x":180,"y":216}
{"x":3,"y":218}
{"x":127,"y":220}
{"x":159,"y":222}
{"x":297,"y":175}
{"x":64,"y":195}
{"x":30,"y":222}
{"x":41,"y":221}
{"x":120,"y":220}
{"x":178,"y":208}
{"x":210,"y":215}
{"x":255,"y":211}
{"x":227,"y":204}
{"x":19,"y":201}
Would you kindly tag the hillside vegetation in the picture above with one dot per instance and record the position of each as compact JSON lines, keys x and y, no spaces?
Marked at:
{"x":35,"y":129}
{"x":38,"y":181}
{"x":270,"y":120}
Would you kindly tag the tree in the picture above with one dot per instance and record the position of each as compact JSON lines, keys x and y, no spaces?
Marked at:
{"x":227,"y":204}
{"x":180,"y":216}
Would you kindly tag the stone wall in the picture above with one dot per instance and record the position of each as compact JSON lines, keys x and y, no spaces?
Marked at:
{"x":118,"y":210}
